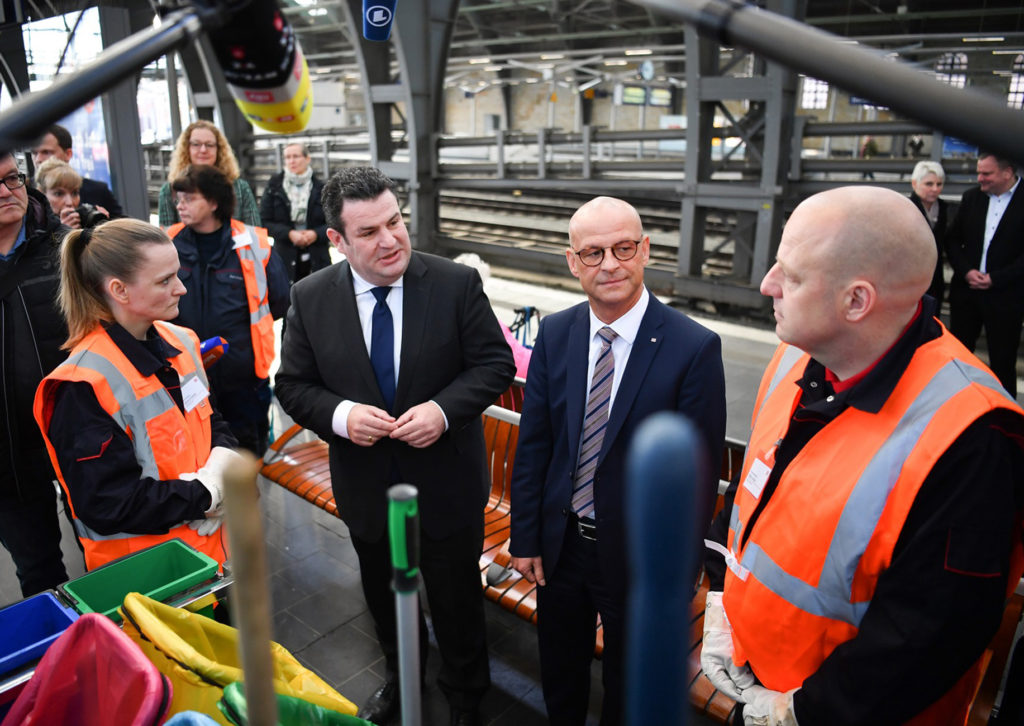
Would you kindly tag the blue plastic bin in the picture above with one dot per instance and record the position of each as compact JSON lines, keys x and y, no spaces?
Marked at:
{"x":28,"y":627}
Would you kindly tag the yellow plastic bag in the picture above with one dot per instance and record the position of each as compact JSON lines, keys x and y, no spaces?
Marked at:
{"x":200,"y":657}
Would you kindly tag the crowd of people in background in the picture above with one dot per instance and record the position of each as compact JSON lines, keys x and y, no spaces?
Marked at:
{"x":96,"y":308}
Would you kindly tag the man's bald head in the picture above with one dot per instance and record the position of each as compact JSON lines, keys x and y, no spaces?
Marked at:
{"x":876,"y":234}
{"x":597,"y":212}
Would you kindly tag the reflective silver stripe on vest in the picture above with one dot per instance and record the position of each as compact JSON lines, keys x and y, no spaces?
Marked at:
{"x":789,"y":358}
{"x":255,"y":252}
{"x":83,"y":531}
{"x":187,"y":346}
{"x":863,"y":508}
{"x":133,"y":413}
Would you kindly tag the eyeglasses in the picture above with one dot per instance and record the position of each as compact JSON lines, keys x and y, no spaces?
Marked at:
{"x":623,"y":251}
{"x":208,"y":145}
{"x":185,"y":199}
{"x":14,"y":181}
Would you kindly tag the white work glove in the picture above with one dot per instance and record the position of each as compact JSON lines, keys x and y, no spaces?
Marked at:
{"x":716,"y":651}
{"x":768,"y":708}
{"x":207,"y":526}
{"x":211,"y":476}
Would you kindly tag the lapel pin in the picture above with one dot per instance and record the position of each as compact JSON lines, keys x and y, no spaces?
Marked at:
{"x":654,"y":340}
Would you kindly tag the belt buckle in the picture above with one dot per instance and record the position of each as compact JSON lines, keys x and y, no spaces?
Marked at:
{"x":586,"y":530}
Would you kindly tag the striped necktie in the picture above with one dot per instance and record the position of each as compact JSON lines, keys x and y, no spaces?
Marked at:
{"x":594,"y":422}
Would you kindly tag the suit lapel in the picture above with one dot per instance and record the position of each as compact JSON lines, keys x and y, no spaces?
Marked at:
{"x":577,"y":355}
{"x":416,"y":291}
{"x":350,"y":331}
{"x":1009,"y":223}
{"x":645,"y":346}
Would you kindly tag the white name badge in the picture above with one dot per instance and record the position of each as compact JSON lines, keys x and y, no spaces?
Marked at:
{"x":757,"y":477}
{"x":193,"y":392}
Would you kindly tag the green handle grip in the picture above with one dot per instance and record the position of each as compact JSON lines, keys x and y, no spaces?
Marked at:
{"x":404,"y":531}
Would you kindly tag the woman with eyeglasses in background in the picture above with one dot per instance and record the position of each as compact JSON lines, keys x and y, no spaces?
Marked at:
{"x":202,"y":143}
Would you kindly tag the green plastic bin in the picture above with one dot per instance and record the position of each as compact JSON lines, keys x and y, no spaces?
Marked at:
{"x":157,"y":572}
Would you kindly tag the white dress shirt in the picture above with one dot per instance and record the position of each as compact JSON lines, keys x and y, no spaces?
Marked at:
{"x":626,"y":329}
{"x":365,"y":303}
{"x":997,"y":204}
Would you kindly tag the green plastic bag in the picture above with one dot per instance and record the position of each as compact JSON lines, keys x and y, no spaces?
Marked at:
{"x":291,"y":711}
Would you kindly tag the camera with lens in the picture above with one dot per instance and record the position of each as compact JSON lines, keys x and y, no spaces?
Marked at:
{"x":89,"y":216}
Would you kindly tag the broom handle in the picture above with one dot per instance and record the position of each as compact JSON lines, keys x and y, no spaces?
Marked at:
{"x":249,"y":567}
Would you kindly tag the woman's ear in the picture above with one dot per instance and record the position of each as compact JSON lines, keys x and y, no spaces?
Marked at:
{"x":117,"y":290}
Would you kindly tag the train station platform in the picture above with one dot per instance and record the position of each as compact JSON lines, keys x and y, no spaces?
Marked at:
{"x":317,"y":603}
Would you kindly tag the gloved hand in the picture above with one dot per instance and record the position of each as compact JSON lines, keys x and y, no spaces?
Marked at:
{"x":207,"y":526}
{"x":716,"y":651}
{"x":768,"y":708}
{"x":211,"y":476}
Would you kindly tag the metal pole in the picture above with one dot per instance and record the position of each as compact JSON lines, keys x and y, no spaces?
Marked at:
{"x":404,"y":533}
{"x":20,"y":125}
{"x":966,"y":113}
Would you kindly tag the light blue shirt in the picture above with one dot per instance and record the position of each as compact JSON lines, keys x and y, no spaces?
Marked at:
{"x":17,"y":242}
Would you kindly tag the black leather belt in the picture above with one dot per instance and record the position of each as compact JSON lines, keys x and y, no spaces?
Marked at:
{"x":585,"y":526}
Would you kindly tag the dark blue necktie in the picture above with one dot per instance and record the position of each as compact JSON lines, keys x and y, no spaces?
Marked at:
{"x":382,"y":346}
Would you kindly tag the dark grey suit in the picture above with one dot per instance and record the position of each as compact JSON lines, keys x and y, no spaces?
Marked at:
{"x":453,"y":353}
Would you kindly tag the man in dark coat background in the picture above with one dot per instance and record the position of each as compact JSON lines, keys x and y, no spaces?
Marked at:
{"x":32,"y":331}
{"x":985,"y":246}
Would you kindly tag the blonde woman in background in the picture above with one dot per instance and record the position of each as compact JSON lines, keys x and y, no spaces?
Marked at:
{"x":61,"y":184}
{"x":927,"y":180}
{"x":203,"y":143}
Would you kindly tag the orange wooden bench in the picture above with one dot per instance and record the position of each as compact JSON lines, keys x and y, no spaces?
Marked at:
{"x":301,"y":466}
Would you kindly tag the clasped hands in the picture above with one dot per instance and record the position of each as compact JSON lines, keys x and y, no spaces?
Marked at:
{"x":762,"y":706}
{"x":419,"y":427}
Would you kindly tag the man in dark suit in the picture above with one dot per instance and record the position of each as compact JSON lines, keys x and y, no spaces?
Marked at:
{"x":391,"y":356}
{"x":985,"y":246}
{"x":579,"y":413}
{"x":56,"y":143}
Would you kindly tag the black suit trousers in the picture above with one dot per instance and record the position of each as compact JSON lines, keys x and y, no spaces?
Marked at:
{"x":567,"y":609}
{"x":451,"y":574}
{"x":970,"y":311}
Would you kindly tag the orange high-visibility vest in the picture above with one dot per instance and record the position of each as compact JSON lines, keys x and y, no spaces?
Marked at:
{"x":253,"y":249}
{"x":801,"y":583}
{"x":167,"y":442}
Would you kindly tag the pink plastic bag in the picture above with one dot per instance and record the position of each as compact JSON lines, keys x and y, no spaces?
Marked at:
{"x":92,"y":675}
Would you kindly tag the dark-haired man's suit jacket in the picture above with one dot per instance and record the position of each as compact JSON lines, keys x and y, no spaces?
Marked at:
{"x":1000,"y":309}
{"x":452,"y":352}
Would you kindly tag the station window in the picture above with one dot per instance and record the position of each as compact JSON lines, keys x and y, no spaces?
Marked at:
{"x":1015,"y":98}
{"x":951,"y":68}
{"x":813,"y":93}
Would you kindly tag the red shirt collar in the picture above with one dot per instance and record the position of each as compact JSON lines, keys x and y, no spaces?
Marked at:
{"x":839,"y":386}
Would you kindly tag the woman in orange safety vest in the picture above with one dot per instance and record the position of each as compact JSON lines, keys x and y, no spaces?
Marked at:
{"x":127,"y":419}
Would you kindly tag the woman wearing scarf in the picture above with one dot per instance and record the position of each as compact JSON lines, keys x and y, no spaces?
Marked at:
{"x":292,"y":214}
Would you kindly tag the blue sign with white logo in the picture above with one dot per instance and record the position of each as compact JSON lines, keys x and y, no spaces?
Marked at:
{"x":377,"y":18}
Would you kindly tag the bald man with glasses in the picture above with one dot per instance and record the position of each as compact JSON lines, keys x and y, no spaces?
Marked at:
{"x":31,"y":333}
{"x":598,"y":369}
